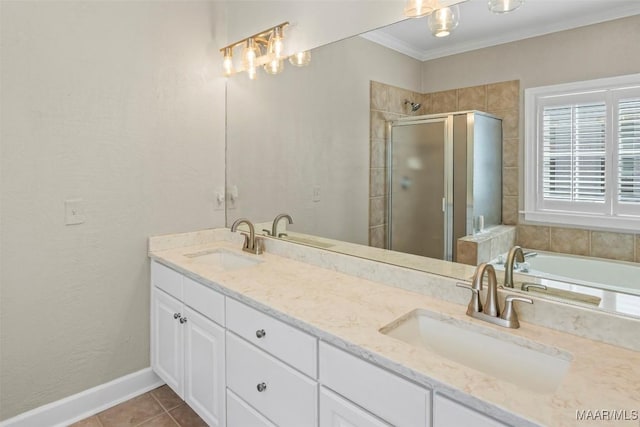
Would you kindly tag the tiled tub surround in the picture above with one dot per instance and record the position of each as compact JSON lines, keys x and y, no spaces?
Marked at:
{"x":574,"y":241}
{"x":485,"y":246}
{"x":347,"y":311}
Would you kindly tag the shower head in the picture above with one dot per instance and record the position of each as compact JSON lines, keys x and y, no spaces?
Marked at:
{"x":414,"y":105}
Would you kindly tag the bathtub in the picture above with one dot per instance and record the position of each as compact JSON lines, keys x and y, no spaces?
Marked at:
{"x":616,"y":283}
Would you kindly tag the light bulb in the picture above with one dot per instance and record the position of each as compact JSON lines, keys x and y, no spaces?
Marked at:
{"x":250,"y":58}
{"x":300,"y":59}
{"x":504,"y":6}
{"x":443,"y":21}
{"x":227,"y":63}
{"x":274,"y":66}
{"x":418,"y":8}
{"x":275,"y":48}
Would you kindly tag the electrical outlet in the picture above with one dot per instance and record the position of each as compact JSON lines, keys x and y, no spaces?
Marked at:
{"x":232,"y":196}
{"x":316,"y":193}
{"x":219,"y":200}
{"x":73,"y":211}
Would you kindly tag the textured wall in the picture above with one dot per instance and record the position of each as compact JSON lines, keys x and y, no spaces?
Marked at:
{"x":114,"y":103}
{"x":310,"y":127}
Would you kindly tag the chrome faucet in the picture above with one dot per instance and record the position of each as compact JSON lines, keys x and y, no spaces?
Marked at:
{"x":515,"y":254}
{"x":252,"y":243}
{"x":274,"y":227}
{"x":491,"y":311}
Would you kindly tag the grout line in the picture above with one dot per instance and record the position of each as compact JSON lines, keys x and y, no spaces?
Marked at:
{"x":98,"y":419}
{"x":152,"y":418}
{"x":173,"y":419}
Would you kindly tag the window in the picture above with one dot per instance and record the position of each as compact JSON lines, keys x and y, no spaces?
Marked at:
{"x":582,"y":153}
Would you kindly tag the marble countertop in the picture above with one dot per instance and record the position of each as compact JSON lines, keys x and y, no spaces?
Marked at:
{"x":348,"y":312}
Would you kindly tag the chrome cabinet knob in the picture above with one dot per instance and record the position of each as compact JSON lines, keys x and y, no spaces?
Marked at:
{"x":260,"y":333}
{"x":176,"y":315}
{"x":183,"y":320}
{"x":261,"y":387}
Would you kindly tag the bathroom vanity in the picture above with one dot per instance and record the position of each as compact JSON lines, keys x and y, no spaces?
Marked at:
{"x":264,"y":340}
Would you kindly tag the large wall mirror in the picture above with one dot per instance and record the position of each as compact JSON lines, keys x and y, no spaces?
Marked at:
{"x":316,"y":142}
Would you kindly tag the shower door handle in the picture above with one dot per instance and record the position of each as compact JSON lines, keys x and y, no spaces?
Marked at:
{"x":444,"y":205}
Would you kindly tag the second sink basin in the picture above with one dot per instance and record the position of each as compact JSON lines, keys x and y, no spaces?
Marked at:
{"x":507,"y":357}
{"x":224,"y":259}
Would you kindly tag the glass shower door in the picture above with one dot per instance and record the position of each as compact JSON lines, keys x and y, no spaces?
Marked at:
{"x":417,"y":188}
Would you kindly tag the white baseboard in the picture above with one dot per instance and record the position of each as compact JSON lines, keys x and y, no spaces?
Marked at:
{"x":87,"y":403}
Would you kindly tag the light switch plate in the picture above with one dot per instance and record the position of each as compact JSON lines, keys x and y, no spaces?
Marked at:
{"x":73,"y":211}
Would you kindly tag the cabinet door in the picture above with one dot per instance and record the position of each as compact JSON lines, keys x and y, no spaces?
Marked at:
{"x":168,"y":349}
{"x":447,"y":413}
{"x":338,"y":412}
{"x":204,"y":368}
{"x":240,"y":414}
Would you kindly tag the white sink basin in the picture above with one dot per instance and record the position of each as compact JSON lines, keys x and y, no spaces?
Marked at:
{"x":507,"y":357}
{"x":224,"y":259}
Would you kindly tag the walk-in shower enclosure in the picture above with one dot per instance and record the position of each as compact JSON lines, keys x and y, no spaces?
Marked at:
{"x":443,"y":171}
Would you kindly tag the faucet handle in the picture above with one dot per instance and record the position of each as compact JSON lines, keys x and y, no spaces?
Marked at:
{"x":266,"y":232}
{"x":475,"y":306}
{"x":526,"y":285}
{"x":259,"y":246}
{"x":281,"y":235}
{"x":246,"y":240}
{"x":509,"y":314}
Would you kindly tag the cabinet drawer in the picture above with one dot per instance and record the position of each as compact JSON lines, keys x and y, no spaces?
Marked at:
{"x":240,"y":414}
{"x":337,"y":412}
{"x":204,"y":299}
{"x":281,"y":340}
{"x":447,"y":413}
{"x":166,"y":279}
{"x":289,"y":399}
{"x":382,"y":393}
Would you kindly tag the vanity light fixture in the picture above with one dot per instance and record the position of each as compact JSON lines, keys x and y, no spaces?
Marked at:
{"x":227,"y":63}
{"x":250,"y":56}
{"x":418,"y":8}
{"x":443,"y":21}
{"x":265,"y":49}
{"x":300,"y":59}
{"x":504,"y":6}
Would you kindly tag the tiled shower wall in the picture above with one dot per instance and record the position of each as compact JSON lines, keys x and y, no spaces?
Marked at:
{"x":387,"y":103}
{"x":503,"y":100}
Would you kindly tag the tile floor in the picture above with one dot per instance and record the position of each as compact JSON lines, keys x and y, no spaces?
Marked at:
{"x":158,"y":408}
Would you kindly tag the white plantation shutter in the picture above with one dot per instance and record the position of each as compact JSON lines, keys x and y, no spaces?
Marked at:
{"x":628,"y":182}
{"x":573,"y":164}
{"x":582,"y":153}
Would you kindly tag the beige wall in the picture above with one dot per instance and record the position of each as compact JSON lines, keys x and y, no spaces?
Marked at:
{"x":117,"y":103}
{"x":313,"y":23}
{"x":309,"y":127}
{"x":590,"y":52}
{"x":596,"y":51}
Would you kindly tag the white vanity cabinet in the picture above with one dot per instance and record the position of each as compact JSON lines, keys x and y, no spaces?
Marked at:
{"x":338,"y":412}
{"x":447,"y":413}
{"x":240,"y":367}
{"x":188,"y":348}
{"x":271,"y":366}
{"x":383,"y":394}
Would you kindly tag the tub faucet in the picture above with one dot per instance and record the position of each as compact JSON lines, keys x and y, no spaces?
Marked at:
{"x":515,"y":254}
{"x":276,"y":221}
{"x":491,"y":311}
{"x":252,"y":244}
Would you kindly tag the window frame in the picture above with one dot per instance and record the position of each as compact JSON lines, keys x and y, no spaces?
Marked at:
{"x":611,"y":214}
